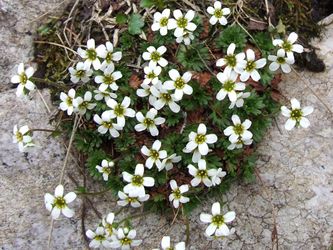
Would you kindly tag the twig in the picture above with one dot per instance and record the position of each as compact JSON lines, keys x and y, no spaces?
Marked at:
{"x":43,"y":100}
{"x":57,"y":44}
{"x":50,"y":234}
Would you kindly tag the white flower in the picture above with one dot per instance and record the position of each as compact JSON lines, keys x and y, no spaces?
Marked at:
{"x":217,"y":221}
{"x":154,"y":154}
{"x":216,"y":175}
{"x":179,"y":83}
{"x":137,"y":182}
{"x":240,"y":100}
{"x":80,"y":73}
{"x":162,"y":97}
{"x":108,"y":224}
{"x":154,"y":56}
{"x":229,"y":85}
{"x":167,"y":163}
{"x":134,"y":201}
{"x":98,"y":238}
{"x":125,"y":239}
{"x":151,"y":74}
{"x":145,"y":91}
{"x":218,"y":14}
{"x":99,"y":95}
{"x":186,"y":37}
{"x":67,"y":101}
{"x":149,"y":122}
{"x":59,"y":203}
{"x":22,"y":137}
{"x":121,"y":110}
{"x":296,"y":115}
{"x":182,"y":23}
{"x":108,"y":79}
{"x":239,"y":130}
{"x":281,"y":60}
{"x":239,"y":143}
{"x":105,"y":168}
{"x":289,"y":45}
{"x":250,"y":66}
{"x":176,"y":195}
{"x":201,"y":174}
{"x":82,"y":104}
{"x":90,"y":55}
{"x":106,"y":52}
{"x":166,"y":244}
{"x":200,"y":140}
{"x":232,"y":61}
{"x":106,"y":124}
{"x":23,"y":80}
{"x":161,"y":22}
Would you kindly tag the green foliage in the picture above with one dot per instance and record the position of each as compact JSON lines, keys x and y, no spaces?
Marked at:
{"x":254,"y":104}
{"x":232,"y":34}
{"x":124,"y":142}
{"x":87,"y":141}
{"x":266,"y":76}
{"x":191,"y":205}
{"x":173,"y":118}
{"x":127,"y":40}
{"x":264,"y":42}
{"x":135,"y":24}
{"x":160,"y":4}
{"x":121,"y":18}
{"x":95,"y":158}
{"x":193,"y":57}
{"x":200,"y":97}
{"x":248,"y":168}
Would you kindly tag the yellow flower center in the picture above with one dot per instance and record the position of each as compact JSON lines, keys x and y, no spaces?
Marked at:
{"x":182,"y":22}
{"x":229,"y":85}
{"x":179,"y":83}
{"x":119,"y":110}
{"x":238,"y":129}
{"x":231,"y":60}
{"x":164,"y":21}
{"x":199,"y":139}
{"x":218,"y":220}
{"x":148,"y":122}
{"x":155,"y":56}
{"x":59,"y":202}
{"x":250,"y":65}
{"x":218,"y":13}
{"x":91,"y":54}
{"x":126,"y":241}
{"x":154,"y":154}
{"x":137,"y":180}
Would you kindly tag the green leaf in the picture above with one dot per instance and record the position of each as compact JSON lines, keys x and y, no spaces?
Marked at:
{"x":135,"y":24}
{"x":146,"y":3}
{"x":121,"y":18}
{"x":233,"y":34}
{"x":193,"y":57}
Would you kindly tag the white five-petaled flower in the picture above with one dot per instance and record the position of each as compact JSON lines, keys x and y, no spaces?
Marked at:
{"x":167,"y":163}
{"x":182,"y":23}
{"x":217,"y":221}
{"x":82,"y":104}
{"x":91,"y":55}
{"x":59,"y":203}
{"x":162,"y":97}
{"x":161,"y":22}
{"x":134,"y":201}
{"x":216,"y":175}
{"x":105,"y":168}
{"x":231,"y":61}
{"x":149,"y":122}
{"x":240,"y":100}
{"x":99,"y":238}
{"x":108,"y":224}
{"x":200,"y":140}
{"x":106,"y":95}
{"x":289,"y":45}
{"x":106,"y":52}
{"x":151,"y":74}
{"x":155,"y":155}
{"x":239,"y":143}
{"x":239,"y":130}
{"x":166,"y":244}
{"x":201,"y":174}
{"x":108,"y":79}
{"x":218,"y":14}
{"x":137,"y":183}
{"x":154,"y":56}
{"x":250,"y":66}
{"x":281,"y":60}
{"x":296,"y":115}
{"x":125,"y":239}
{"x":80,"y":73}
{"x":120,"y":110}
{"x":186,"y":37}
{"x":229,"y":86}
{"x":176,"y":195}
{"x":67,"y":101}
{"x":22,"y":137}
{"x":179,"y":83}
{"x":23,"y":79}
{"x":106,"y":124}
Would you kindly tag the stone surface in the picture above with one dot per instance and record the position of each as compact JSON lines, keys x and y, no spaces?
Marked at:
{"x":293,"y":193}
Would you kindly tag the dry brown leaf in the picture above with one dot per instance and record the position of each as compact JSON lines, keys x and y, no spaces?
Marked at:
{"x":202,"y":77}
{"x":135,"y":81}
